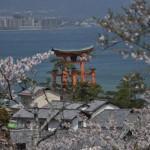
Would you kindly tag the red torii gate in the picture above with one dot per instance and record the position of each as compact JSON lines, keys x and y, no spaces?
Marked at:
{"x":80,"y":57}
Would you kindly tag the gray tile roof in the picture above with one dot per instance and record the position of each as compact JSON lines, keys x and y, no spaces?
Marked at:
{"x":67,"y":114}
{"x":94,"y":105}
{"x":31,"y":90}
{"x":59,"y":104}
{"x":118,"y":116}
{"x":45,"y":113}
{"x":42,"y":114}
{"x":22,"y":113}
{"x":65,"y":104}
{"x":74,"y":106}
{"x":71,"y":110}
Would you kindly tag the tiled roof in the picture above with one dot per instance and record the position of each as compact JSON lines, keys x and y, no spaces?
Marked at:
{"x":42,"y":114}
{"x":119,"y":116}
{"x":45,"y":113}
{"x":31,"y":90}
{"x":22,"y":113}
{"x":70,"y":110}
{"x":94,"y":105}
{"x":67,"y":115}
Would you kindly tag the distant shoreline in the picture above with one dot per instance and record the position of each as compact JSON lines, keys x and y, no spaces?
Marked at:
{"x":26,"y":30}
{"x":53,"y":29}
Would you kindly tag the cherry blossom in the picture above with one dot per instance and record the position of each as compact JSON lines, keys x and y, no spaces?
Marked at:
{"x":131,"y":27}
{"x":12,"y":72}
{"x":95,"y":137}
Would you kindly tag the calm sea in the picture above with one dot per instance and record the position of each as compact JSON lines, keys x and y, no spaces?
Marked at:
{"x":110,"y":65}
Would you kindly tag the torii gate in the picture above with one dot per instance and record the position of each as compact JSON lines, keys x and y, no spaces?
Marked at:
{"x":76,"y":57}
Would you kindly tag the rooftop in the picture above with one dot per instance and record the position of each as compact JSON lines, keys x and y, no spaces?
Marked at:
{"x":94,"y":105}
{"x":67,"y":115}
{"x":30,"y":90}
{"x":118,"y":116}
{"x":75,"y":52}
{"x":63,"y":109}
{"x":42,"y":114}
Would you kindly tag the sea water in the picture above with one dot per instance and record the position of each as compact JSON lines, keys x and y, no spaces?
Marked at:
{"x":110,"y":66}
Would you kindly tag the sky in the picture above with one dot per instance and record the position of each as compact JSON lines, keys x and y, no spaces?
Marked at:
{"x":67,"y":8}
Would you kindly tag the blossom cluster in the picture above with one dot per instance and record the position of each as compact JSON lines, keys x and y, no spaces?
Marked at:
{"x":133,"y":135}
{"x":137,"y":55}
{"x":14,"y":71}
{"x":131,"y":28}
{"x":85,"y":57}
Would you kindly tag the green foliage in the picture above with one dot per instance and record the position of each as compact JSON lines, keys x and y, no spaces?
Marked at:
{"x":86,"y":92}
{"x":4,"y":116}
{"x":134,"y":82}
{"x":122,"y":100}
{"x":131,"y":85}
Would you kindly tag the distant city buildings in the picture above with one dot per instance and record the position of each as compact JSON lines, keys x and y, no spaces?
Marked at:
{"x":20,"y":21}
{"x":24,"y":22}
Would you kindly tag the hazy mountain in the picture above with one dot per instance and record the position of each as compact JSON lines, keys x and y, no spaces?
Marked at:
{"x":69,"y":8}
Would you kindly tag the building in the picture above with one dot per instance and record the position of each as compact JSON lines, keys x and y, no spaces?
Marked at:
{"x":56,"y":116}
{"x":74,"y":114}
{"x":108,"y":119}
{"x":50,"y":22}
{"x":95,"y":107}
{"x":37,"y":95}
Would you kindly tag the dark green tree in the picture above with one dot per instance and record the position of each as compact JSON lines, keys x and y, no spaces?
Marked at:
{"x":4,"y":116}
{"x":86,"y":92}
{"x":129,"y":88}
